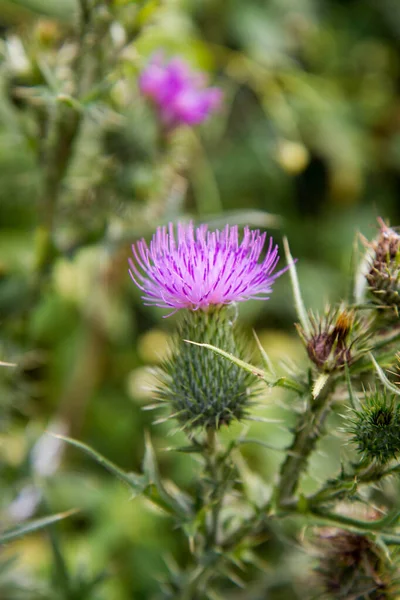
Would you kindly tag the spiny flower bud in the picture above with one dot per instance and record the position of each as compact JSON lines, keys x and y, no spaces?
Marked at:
{"x":375,"y":428}
{"x":352,"y":566}
{"x":330,"y":344}
{"x":203,"y":389}
{"x":383,"y":276}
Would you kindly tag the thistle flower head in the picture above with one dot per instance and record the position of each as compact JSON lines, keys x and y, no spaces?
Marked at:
{"x":179,"y":94}
{"x":353,"y":566}
{"x":383,"y":276}
{"x":200,"y":268}
{"x":375,"y":428}
{"x":331,"y":342}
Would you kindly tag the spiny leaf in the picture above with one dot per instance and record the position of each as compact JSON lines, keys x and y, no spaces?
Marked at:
{"x":284,"y":382}
{"x":133,"y":480}
{"x":353,"y":398}
{"x":34,"y":525}
{"x":237,"y":361}
{"x":388,"y":384}
{"x":175,"y":504}
{"x":298,"y":300}
{"x":265,"y":358}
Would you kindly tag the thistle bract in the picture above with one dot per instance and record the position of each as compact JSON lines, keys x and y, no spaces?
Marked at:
{"x":200,"y":268}
{"x":205,"y":390}
{"x":179,"y":94}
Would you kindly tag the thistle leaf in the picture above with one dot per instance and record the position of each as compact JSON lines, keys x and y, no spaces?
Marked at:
{"x":134,"y":481}
{"x":265,"y":358}
{"x":298,"y":300}
{"x":156,"y":490}
{"x":33,"y":525}
{"x":388,"y":384}
{"x":237,"y":361}
{"x":353,"y":399}
{"x":284,"y":382}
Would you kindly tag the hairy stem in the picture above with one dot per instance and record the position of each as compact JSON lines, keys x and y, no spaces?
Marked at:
{"x":64,"y":122}
{"x":213,"y":473}
{"x":206,"y":553}
{"x":307,"y":432}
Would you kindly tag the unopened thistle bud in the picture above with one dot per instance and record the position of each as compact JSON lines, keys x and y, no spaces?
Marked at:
{"x":375,"y":428}
{"x":383,"y":276}
{"x":202,"y":272}
{"x":353,"y":566}
{"x":203,"y":389}
{"x":331,"y":342}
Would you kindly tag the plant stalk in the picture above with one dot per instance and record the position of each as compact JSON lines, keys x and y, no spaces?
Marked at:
{"x":307,"y":433}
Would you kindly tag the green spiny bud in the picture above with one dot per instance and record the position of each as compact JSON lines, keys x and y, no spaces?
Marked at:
{"x":376,"y":428}
{"x":383,"y":276}
{"x":203,"y":389}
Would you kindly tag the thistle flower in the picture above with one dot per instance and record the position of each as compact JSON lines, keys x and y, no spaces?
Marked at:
{"x":375,"y":428}
{"x":203,"y":271}
{"x":331,"y":343}
{"x":353,"y":566}
{"x":383,"y":276}
{"x":179,"y":94}
{"x":202,"y":268}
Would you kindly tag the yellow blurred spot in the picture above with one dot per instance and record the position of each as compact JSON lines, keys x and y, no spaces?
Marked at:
{"x":141,"y":384}
{"x":13,"y":448}
{"x":32,"y":550}
{"x":153,"y":346}
{"x":346,"y":183}
{"x":293,"y":157}
{"x":47,"y":32}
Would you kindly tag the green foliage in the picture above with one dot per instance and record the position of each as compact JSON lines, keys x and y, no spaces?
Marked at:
{"x":307,"y":143}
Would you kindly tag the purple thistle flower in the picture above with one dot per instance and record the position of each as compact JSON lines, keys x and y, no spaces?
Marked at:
{"x":203,"y":268}
{"x":180,"y":95}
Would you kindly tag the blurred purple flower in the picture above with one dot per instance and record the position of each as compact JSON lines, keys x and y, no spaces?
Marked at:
{"x":201,"y":267}
{"x":180,"y":95}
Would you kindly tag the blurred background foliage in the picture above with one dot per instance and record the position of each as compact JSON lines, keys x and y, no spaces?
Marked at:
{"x":307,"y":145}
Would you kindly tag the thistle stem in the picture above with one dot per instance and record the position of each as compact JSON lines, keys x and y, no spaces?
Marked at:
{"x":373,"y":526}
{"x":307,"y":433}
{"x":196,"y":578}
{"x":214,"y":476}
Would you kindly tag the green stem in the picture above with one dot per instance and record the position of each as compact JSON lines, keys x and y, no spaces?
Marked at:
{"x":307,"y":433}
{"x":64,"y":125}
{"x":195,"y":579}
{"x":214,"y":493}
{"x":373,"y":526}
